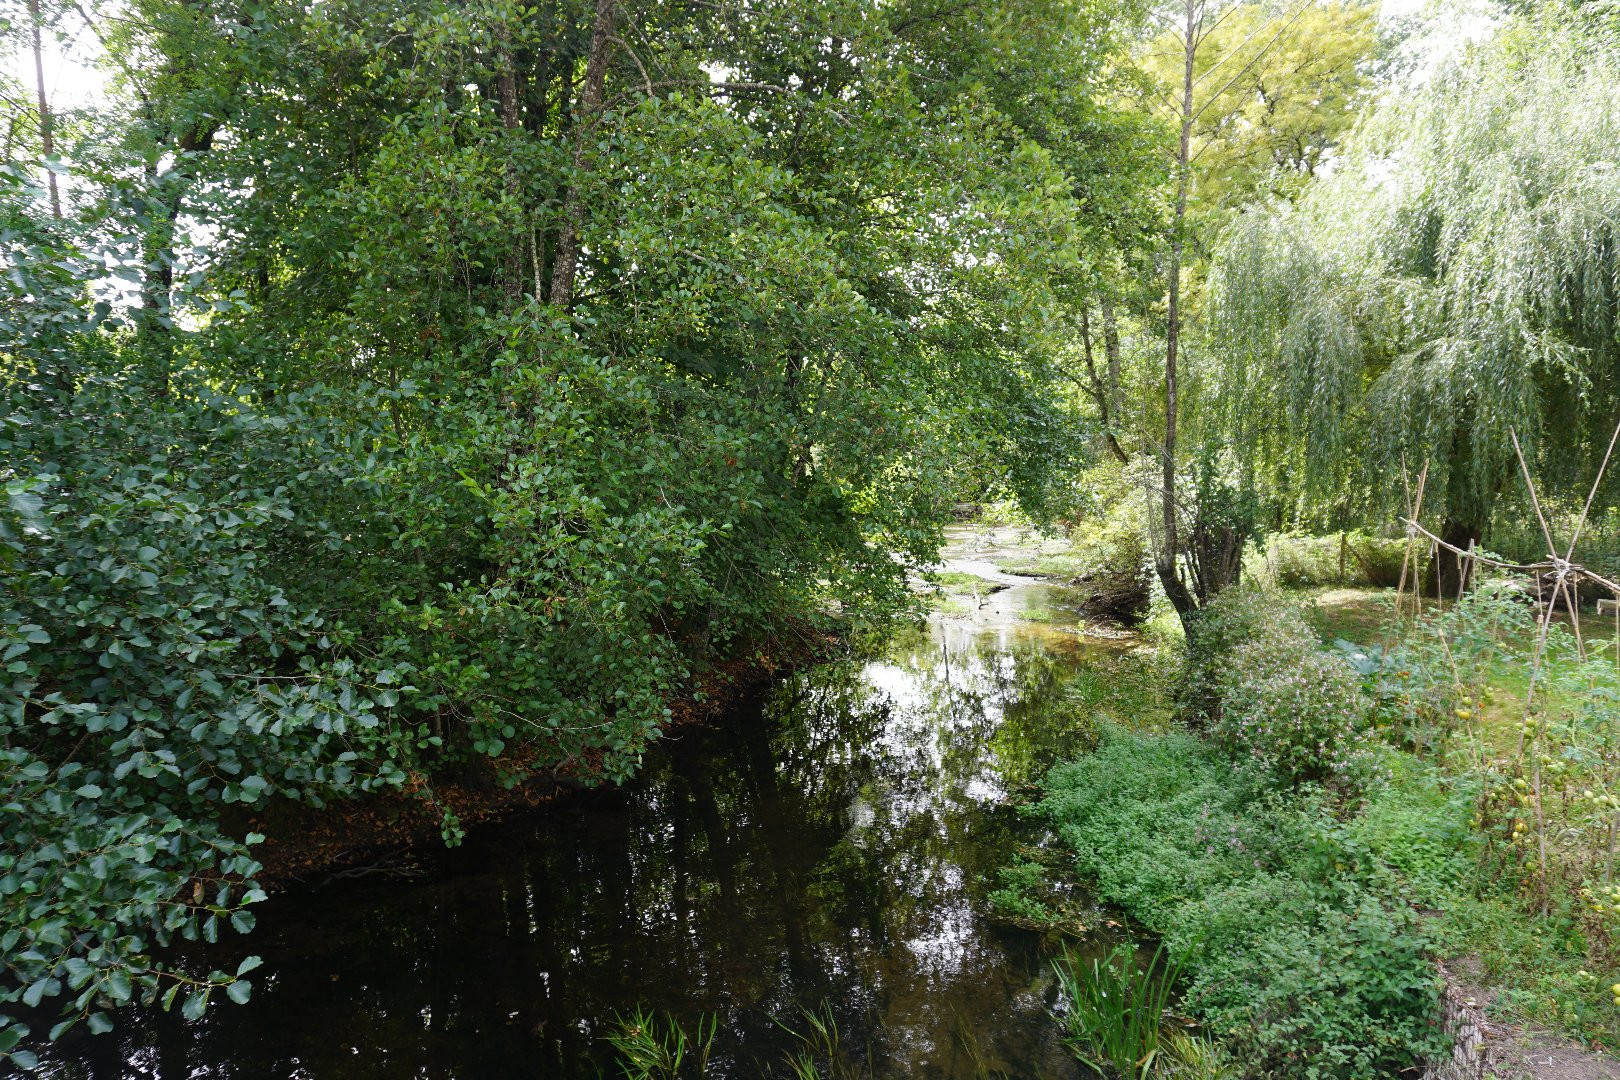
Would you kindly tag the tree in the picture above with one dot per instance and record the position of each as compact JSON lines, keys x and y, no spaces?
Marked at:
{"x":1263,"y":91}
{"x":500,"y":368}
{"x":1451,"y":285}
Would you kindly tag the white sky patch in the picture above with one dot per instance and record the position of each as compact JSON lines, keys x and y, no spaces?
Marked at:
{"x":72,"y":78}
{"x":1440,"y":29}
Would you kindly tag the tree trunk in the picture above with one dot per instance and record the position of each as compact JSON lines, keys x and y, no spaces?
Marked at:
{"x":165,"y":197}
{"x":566,"y":265}
{"x":47,"y":140}
{"x":506,"y":84}
{"x":1167,"y":557}
{"x":1446,"y":576}
{"x":1111,"y":353}
{"x":1099,"y":391}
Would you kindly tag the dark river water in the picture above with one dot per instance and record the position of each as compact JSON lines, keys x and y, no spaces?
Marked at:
{"x":828,"y":848}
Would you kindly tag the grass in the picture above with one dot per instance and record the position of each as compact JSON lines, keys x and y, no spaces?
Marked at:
{"x":1051,"y":616}
{"x":653,"y":1047}
{"x":961,"y":581}
{"x":1058,"y":565}
{"x":1125,"y":687}
{"x":1117,"y":1011}
{"x":1534,"y":969}
{"x":953,"y":591}
{"x":1541,"y":964}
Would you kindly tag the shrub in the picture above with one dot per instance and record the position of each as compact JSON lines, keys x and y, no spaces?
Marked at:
{"x":1293,"y":953}
{"x":156,"y":672}
{"x":1237,"y":615}
{"x":1353,"y":558}
{"x":1266,"y":689}
{"x":1350,"y":993}
{"x":1291,"y":706}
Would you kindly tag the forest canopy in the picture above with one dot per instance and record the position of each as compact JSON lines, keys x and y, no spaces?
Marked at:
{"x":396,"y":390}
{"x":399,"y":391}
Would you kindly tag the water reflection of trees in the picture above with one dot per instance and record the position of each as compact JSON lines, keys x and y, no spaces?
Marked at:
{"x":827,"y":846}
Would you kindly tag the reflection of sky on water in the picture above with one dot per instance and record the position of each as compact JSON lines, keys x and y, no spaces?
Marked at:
{"x":830,"y":847}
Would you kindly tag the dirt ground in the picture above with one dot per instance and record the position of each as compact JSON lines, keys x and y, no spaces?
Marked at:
{"x":1513,"y":1053}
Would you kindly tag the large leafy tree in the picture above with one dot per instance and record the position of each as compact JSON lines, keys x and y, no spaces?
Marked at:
{"x":1252,"y":97}
{"x":1455,"y":282}
{"x":497,"y":368}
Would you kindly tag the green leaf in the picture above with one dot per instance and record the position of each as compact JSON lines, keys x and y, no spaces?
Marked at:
{"x":35,"y":992}
{"x":196,"y":1004}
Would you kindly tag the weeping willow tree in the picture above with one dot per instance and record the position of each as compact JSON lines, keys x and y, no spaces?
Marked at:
{"x":1454,"y":282}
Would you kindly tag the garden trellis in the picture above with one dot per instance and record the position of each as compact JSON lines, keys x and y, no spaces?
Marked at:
{"x":1562,"y":590}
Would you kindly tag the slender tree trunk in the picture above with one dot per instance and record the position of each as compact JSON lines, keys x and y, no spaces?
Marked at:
{"x":1446,"y":576}
{"x":47,"y":139}
{"x":157,"y":284}
{"x":165,"y":195}
{"x":1111,"y":351}
{"x":1167,"y":558}
{"x":1099,"y":390}
{"x":506,"y":84}
{"x":566,"y":266}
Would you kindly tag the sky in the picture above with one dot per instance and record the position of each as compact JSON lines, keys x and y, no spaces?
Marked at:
{"x":71,"y":83}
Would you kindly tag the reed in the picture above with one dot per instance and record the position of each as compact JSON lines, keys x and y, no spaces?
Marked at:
{"x":651,"y":1047}
{"x":1116,"y":1012}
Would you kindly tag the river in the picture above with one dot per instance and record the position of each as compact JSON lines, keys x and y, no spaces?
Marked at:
{"x":827,"y":848}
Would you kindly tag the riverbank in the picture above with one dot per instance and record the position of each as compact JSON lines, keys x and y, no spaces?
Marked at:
{"x":1346,"y":810}
{"x":826,"y":847}
{"x":378,"y":832}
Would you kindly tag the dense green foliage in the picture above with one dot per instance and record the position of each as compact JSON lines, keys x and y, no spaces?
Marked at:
{"x":1453,"y":282}
{"x":1269,"y":690}
{"x":398,"y":392}
{"x":423,"y":389}
{"x":1293,"y":953}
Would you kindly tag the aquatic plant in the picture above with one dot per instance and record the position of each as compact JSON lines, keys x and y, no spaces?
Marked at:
{"x":1117,"y":1008}
{"x":822,"y":1042}
{"x":653,"y":1047}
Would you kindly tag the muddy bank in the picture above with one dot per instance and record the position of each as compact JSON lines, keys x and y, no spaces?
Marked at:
{"x":305,"y":846}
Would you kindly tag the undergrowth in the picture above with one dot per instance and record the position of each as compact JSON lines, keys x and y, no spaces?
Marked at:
{"x":1297,"y":956}
{"x":1336,"y":817}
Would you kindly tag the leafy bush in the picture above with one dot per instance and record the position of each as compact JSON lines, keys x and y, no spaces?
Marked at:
{"x":1295,"y":948}
{"x":1018,"y":896}
{"x":1267,"y":690}
{"x":1436,"y":677}
{"x":1352,"y":558}
{"x":1290,"y":705}
{"x":1236,"y":616}
{"x":155,"y":673}
{"x":1349,"y":994}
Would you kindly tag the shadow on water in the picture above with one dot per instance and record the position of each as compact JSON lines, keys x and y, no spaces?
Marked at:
{"x":830,"y":844}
